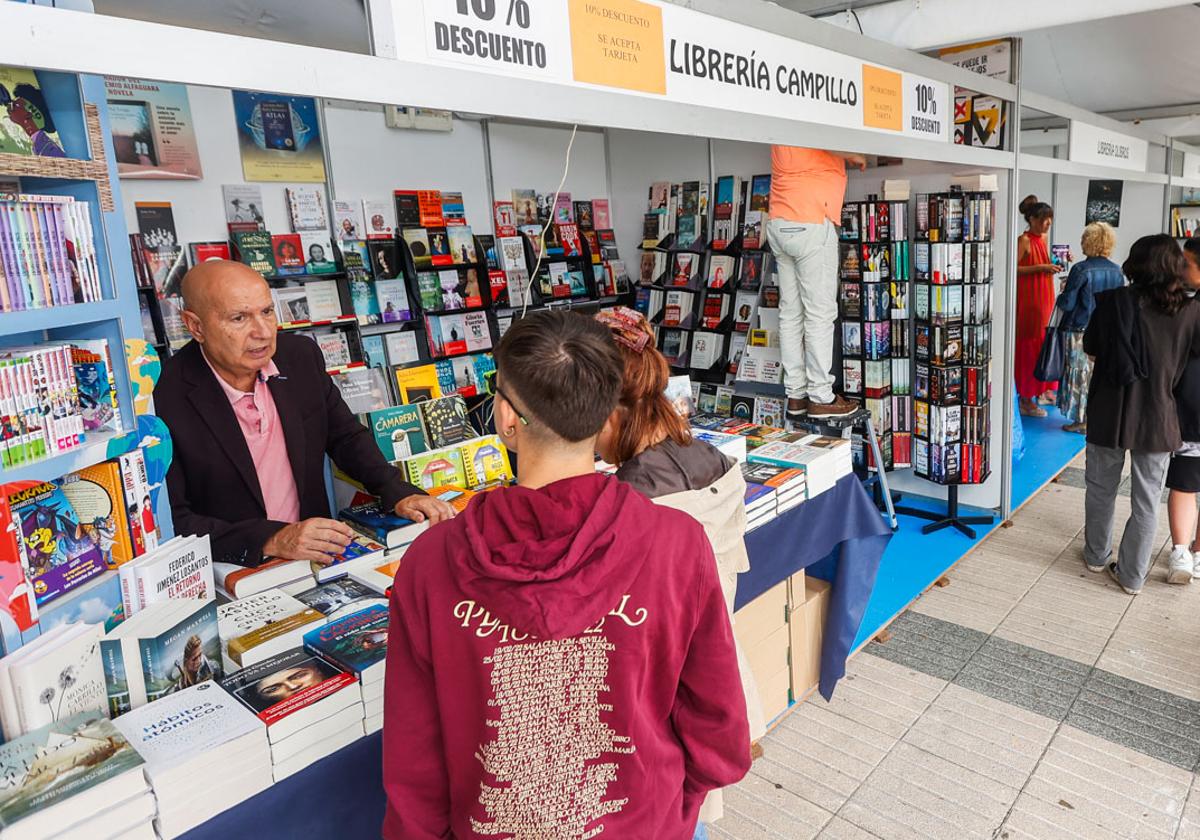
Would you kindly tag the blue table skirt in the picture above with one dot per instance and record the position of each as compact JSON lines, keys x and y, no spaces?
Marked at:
{"x":838,"y":536}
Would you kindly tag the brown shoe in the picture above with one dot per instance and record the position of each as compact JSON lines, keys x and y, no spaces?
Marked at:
{"x":838,"y":407}
{"x":797,"y":409}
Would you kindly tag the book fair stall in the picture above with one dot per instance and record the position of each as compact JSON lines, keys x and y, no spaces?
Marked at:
{"x":406,"y":208}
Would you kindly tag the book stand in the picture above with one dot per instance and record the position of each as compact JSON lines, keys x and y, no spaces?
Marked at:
{"x":950,"y":519}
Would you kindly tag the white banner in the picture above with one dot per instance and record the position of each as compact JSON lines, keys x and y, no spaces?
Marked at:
{"x":1102,"y":147}
{"x":660,"y":50}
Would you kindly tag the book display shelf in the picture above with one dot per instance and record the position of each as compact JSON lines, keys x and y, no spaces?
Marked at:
{"x":875,"y":322}
{"x":1185,"y":220}
{"x":953,"y":346}
{"x":87,"y":174}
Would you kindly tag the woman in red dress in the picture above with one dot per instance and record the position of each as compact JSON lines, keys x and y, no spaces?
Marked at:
{"x":1035,"y":302}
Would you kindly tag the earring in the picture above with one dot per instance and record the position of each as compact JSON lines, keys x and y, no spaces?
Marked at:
{"x":510,"y":431}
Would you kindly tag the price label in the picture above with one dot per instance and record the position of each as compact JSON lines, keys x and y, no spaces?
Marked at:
{"x":926,"y":108}
{"x":514,"y":37}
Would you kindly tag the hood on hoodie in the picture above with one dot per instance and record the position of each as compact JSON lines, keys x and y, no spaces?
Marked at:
{"x":552,"y":561}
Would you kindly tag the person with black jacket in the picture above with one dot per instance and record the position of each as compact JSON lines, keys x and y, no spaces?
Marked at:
{"x":1183,"y":476}
{"x":1142,"y":337}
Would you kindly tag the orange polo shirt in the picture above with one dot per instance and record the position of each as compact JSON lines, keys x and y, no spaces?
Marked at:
{"x":807,"y":185}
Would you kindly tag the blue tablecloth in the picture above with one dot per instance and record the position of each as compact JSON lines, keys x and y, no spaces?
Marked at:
{"x":838,"y":536}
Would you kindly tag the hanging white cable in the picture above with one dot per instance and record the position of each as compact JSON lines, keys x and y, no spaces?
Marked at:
{"x":542,"y":236}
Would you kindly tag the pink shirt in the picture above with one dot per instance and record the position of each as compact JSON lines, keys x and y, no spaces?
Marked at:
{"x":256,"y":414}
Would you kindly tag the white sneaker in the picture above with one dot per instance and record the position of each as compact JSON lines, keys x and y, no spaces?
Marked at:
{"x":1180,"y":566}
{"x":1196,"y":565}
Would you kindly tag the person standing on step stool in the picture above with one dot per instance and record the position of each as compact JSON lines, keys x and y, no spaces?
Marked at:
{"x":807,"y":188}
{"x":1183,"y":475}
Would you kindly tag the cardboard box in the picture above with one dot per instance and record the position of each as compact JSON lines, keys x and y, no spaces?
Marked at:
{"x":767,"y":657}
{"x":773,"y":691}
{"x":761,"y":617}
{"x":806,"y":630}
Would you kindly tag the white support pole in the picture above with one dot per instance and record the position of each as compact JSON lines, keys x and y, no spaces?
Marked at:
{"x":1008,"y":375}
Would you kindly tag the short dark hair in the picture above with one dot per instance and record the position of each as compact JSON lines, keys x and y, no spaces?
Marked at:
{"x":1155,"y":269}
{"x":565,"y":370}
{"x":1192,"y":246}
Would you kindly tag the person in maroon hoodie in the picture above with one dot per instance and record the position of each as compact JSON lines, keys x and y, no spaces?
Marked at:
{"x":560,"y":661}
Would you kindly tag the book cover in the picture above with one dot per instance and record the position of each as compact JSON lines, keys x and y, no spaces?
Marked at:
{"x":334,"y":348}
{"x":355,"y":643}
{"x":254,"y":248}
{"x":380,"y":218}
{"x":187,"y":725}
{"x":525,"y":207}
{"x":383,"y":260}
{"x":364,"y":389}
{"x":392,"y":300}
{"x":324,"y":302}
{"x":98,"y":497}
{"x":318,"y":252}
{"x":306,"y":206}
{"x":486,"y":461}
{"x":280,"y":632}
{"x":243,"y":203}
{"x":291,"y":304}
{"x":418,"y":245}
{"x":452,"y":286}
{"x":504,"y":216}
{"x":289,"y":259}
{"x":284,"y":684}
{"x":335,"y":596}
{"x":416,"y":384}
{"x":568,"y":235}
{"x":408,"y":209}
{"x":461,"y":244}
{"x":363,"y":299}
{"x":720,"y":270}
{"x":143,"y":528}
{"x":361,"y":547}
{"x":436,"y":469}
{"x":429,"y":206}
{"x":187,"y":654}
{"x":348,"y":220}
{"x":58,"y":554}
{"x":401,"y":348}
{"x":445,"y":421}
{"x":49,"y":765}
{"x":237,"y":618}
{"x":399,"y":431}
{"x":453,"y":211}
{"x":58,"y":676}
{"x":601,"y":215}
{"x":205,"y":251}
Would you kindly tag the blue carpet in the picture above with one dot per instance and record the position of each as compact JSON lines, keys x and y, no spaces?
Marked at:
{"x":913,"y":561}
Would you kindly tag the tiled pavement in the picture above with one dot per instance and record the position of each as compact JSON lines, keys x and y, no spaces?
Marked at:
{"x":1027,"y":700}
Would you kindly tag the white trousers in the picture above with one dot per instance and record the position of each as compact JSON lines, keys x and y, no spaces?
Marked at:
{"x":806,"y":256}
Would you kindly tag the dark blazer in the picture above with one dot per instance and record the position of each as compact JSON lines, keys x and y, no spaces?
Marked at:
{"x":213,"y":486}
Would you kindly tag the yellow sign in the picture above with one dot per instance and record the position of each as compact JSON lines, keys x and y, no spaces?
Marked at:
{"x":883,"y":105}
{"x":618,"y":43}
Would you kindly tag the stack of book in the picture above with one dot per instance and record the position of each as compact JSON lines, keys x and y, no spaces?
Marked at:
{"x":789,"y":485}
{"x":760,"y":504}
{"x":311,"y":707}
{"x":49,"y":255}
{"x":77,"y":778}
{"x":167,"y":646}
{"x":823,"y":460}
{"x":732,"y":445}
{"x":234,"y":581}
{"x":200,"y":732}
{"x":358,"y":645}
{"x":262,"y":625}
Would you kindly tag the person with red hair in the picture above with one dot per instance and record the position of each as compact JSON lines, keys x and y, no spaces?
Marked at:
{"x":652,"y":446}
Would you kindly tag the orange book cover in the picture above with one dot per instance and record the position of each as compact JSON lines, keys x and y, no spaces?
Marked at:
{"x":98,"y":496}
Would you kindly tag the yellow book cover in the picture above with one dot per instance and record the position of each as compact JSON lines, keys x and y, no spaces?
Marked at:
{"x":98,"y":497}
{"x":239,"y":646}
{"x":418,"y":383}
{"x":486,"y":461}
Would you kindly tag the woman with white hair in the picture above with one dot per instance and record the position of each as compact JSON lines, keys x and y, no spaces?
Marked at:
{"x":1087,"y":279}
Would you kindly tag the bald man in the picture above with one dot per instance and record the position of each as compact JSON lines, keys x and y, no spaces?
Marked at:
{"x":253,"y":414}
